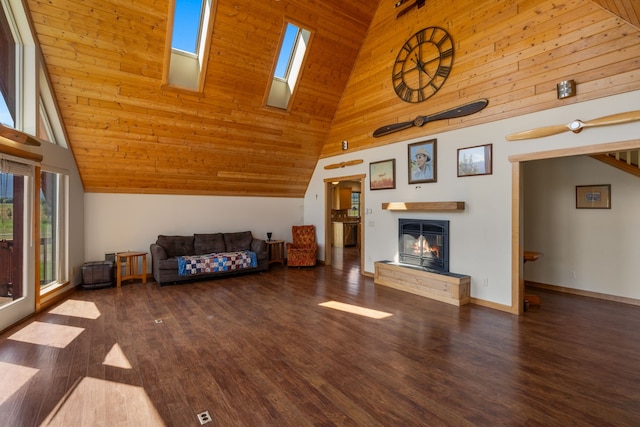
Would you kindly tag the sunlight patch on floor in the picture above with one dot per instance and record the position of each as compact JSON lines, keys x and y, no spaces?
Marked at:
{"x":49,"y":334}
{"x":354,"y":309}
{"x":12,"y":377}
{"x":75,"y":308}
{"x":97,"y":402}
{"x":116,"y":358}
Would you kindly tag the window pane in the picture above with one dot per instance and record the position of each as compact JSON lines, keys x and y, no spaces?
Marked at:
{"x":186,"y":25}
{"x":49,"y":184}
{"x":5,"y":114}
{"x":7,"y":73}
{"x":11,"y":236}
{"x":286,"y":51}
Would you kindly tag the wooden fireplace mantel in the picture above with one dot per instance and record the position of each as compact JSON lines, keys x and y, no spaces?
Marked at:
{"x":424,"y":206}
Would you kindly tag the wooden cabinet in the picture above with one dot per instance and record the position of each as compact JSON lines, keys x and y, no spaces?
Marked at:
{"x":338,"y":234}
{"x":341,"y":198}
{"x":345,"y":234}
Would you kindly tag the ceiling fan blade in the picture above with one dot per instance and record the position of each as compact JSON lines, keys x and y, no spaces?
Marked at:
{"x":460,"y":111}
{"x":538,"y":133}
{"x":614,"y":119}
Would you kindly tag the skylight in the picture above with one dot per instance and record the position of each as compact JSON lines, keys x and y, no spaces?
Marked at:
{"x":188,"y":52}
{"x":290,"y":58}
{"x":286,"y":51}
{"x":187,"y":24}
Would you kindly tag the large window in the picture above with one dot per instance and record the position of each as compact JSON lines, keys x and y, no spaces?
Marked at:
{"x":293,"y":48}
{"x":28,"y":105}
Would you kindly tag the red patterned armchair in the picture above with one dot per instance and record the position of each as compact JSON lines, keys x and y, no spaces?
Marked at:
{"x":302,"y":252}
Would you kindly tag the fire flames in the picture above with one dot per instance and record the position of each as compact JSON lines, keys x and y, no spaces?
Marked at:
{"x":421,"y":246}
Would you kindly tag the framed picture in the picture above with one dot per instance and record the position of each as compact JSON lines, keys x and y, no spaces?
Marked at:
{"x":475,"y":160}
{"x":382,"y":175}
{"x":593,"y":196}
{"x":422,"y":161}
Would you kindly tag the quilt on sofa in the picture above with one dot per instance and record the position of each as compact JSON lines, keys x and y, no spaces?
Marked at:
{"x":216,"y":262}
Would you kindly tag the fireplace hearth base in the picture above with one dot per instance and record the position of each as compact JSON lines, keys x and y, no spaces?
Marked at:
{"x":445,"y":287}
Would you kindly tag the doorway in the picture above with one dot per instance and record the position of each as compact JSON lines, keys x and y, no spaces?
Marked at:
{"x":343,"y":222}
{"x":517,"y":207}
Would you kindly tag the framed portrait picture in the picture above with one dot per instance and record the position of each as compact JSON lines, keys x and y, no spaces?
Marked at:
{"x":422,"y":161}
{"x":382,"y":175}
{"x":593,"y":196}
{"x":475,"y":160}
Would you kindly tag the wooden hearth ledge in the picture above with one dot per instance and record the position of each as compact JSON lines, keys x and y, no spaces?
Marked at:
{"x":424,"y":206}
{"x":446,"y":287}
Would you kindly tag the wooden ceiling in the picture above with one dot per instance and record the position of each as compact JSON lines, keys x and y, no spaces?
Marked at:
{"x":131,"y":134}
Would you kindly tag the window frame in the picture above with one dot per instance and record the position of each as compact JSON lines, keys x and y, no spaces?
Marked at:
{"x":59,"y":251}
{"x":185,"y":70}
{"x":281,"y":92}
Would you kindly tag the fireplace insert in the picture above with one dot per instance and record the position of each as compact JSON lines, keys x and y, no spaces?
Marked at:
{"x":424,"y":243}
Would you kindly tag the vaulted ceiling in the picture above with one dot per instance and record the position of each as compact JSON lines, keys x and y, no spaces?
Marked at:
{"x":131,"y":133}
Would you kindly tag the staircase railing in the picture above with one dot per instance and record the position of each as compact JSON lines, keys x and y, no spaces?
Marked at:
{"x":626,"y":160}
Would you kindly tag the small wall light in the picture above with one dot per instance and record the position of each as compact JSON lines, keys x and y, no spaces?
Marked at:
{"x":345,"y":144}
{"x":566,"y":89}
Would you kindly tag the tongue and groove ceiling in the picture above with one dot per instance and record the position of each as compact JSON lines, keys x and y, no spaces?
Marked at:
{"x":130,"y":133}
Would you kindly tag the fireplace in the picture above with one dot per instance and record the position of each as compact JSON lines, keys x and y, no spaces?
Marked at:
{"x":424,"y":243}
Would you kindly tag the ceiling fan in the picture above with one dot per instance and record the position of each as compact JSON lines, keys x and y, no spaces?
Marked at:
{"x":576,"y":126}
{"x":343,"y":164}
{"x":460,"y":111}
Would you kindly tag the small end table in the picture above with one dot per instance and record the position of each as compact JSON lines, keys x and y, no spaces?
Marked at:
{"x":132,"y":266}
{"x":275,"y":251}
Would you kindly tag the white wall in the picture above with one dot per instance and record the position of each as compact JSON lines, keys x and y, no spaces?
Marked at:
{"x":598,"y":245}
{"x":480,"y":244}
{"x":121,"y":222}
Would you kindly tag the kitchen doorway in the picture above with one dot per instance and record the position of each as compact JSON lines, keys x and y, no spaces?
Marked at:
{"x":344,"y":216}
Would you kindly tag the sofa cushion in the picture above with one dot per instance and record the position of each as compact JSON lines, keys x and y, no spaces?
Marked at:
{"x":176,"y":245}
{"x":238,"y":241}
{"x":208,"y":243}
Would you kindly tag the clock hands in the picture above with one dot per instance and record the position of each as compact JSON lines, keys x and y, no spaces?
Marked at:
{"x":419,"y":64}
{"x":461,"y":111}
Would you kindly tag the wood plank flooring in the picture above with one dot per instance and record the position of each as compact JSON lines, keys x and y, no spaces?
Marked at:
{"x":259,"y":350}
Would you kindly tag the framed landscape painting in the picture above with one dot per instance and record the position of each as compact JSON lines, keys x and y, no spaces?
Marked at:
{"x":382,"y":175}
{"x":593,"y":196}
{"x":475,"y":160}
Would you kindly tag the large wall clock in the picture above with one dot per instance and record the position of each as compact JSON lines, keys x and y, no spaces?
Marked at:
{"x":423,"y":64}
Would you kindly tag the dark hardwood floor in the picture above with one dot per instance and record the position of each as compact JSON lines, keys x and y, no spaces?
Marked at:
{"x":259,"y":350}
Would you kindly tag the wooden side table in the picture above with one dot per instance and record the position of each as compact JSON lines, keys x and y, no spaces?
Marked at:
{"x":132,"y":266}
{"x":275,"y":251}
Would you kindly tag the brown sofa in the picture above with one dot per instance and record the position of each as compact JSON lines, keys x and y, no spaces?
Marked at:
{"x":166,"y":250}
